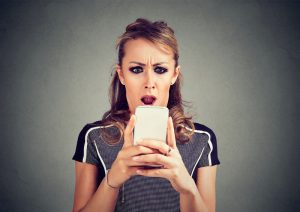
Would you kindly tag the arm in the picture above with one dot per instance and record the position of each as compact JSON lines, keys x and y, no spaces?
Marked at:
{"x":206,"y":183}
{"x":203,"y":196}
{"x":87,"y":197}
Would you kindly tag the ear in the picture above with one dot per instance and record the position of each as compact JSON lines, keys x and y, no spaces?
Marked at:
{"x":120,"y":73}
{"x":176,"y":74}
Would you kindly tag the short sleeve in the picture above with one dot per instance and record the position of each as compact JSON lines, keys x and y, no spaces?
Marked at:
{"x":86,"y":151}
{"x":209,"y":155}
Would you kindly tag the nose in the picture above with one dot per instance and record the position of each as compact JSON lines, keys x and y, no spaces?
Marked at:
{"x":150,"y":82}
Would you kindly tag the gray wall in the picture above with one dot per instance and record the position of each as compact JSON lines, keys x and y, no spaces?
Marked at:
{"x":240,"y":61}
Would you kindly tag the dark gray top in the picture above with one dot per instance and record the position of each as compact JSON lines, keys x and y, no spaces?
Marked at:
{"x":141,"y":193}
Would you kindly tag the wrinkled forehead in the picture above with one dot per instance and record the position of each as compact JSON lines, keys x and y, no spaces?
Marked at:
{"x":146,"y":51}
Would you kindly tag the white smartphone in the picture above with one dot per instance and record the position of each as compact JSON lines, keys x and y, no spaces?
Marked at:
{"x":151,"y":123}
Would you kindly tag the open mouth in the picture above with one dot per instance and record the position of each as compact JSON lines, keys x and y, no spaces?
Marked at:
{"x":148,"y":100}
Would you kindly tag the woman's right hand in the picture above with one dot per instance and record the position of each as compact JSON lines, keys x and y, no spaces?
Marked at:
{"x":124,"y":167}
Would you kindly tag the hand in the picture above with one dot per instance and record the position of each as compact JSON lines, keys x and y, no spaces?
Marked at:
{"x":124,"y":167}
{"x":173,"y":168}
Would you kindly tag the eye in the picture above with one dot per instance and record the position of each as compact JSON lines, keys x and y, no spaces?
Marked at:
{"x":160,"y":70}
{"x":136,"y":69}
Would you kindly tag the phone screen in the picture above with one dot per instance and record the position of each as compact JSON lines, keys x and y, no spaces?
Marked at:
{"x":151,"y":123}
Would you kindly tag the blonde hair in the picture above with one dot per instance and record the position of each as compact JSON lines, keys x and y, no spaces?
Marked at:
{"x":162,"y":35}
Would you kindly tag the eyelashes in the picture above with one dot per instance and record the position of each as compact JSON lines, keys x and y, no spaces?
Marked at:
{"x":136,"y":69}
{"x":160,"y":70}
{"x":139,"y":69}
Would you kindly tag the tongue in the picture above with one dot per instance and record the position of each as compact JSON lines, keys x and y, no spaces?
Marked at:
{"x":148,"y":100}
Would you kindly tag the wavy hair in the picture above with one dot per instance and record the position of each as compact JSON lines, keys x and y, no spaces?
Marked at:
{"x":162,"y":35}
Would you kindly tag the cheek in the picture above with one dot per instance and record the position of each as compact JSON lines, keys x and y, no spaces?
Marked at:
{"x":133,"y":88}
{"x":164,"y":92}
{"x":165,"y":84}
{"x":166,"y":89}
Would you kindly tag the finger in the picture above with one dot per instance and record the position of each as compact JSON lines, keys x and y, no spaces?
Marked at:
{"x":165,"y":173}
{"x":128,"y":132}
{"x":132,"y":170}
{"x":137,"y":150}
{"x":132,"y":163}
{"x":160,"y":146}
{"x":171,"y":139}
{"x":155,"y":158}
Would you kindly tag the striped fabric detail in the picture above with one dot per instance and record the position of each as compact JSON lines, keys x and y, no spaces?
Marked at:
{"x":209,"y":143}
{"x":94,"y":142}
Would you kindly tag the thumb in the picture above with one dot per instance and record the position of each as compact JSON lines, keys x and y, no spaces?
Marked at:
{"x":171,"y":134}
{"x":128,"y":132}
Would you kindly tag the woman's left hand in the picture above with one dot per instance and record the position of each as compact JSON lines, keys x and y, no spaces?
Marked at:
{"x":173,"y":168}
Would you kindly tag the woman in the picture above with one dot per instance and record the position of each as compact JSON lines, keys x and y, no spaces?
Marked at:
{"x":109,"y":173}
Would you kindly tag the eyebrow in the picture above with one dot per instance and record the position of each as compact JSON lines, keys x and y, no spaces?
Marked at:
{"x":142,"y":64}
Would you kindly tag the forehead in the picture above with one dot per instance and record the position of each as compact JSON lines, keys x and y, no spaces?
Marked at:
{"x":141,"y":49}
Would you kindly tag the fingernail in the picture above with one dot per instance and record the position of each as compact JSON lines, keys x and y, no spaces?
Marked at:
{"x":139,"y":171}
{"x":135,"y":158}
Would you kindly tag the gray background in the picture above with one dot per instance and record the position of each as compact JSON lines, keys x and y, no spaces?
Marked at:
{"x":240,"y":61}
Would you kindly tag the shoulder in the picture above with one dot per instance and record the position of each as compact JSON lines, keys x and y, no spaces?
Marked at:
{"x":204,"y":134}
{"x":83,"y":137}
{"x":203,"y":129}
{"x":89,"y":127}
{"x":211,"y":152}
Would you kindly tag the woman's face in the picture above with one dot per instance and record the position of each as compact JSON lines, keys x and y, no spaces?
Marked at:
{"x":147,"y":73}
